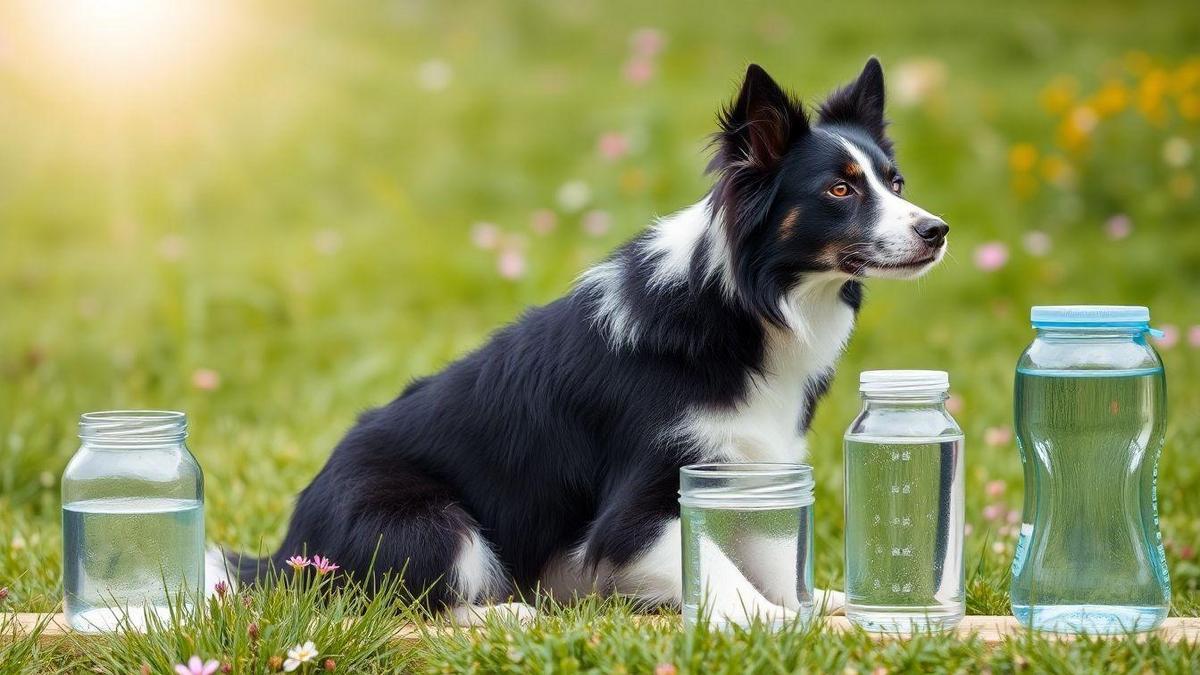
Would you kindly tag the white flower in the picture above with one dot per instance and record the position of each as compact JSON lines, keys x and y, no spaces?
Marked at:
{"x":298,"y":655}
{"x":435,"y":75}
{"x":574,"y":195}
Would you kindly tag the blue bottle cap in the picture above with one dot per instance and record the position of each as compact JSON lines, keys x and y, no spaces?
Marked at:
{"x":1089,"y":315}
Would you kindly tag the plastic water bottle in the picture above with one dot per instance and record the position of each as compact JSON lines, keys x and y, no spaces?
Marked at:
{"x":904,"y":505}
{"x":1090,"y":416}
{"x":133,"y":521}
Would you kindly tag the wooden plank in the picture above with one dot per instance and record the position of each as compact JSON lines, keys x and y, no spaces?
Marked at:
{"x":990,"y":629}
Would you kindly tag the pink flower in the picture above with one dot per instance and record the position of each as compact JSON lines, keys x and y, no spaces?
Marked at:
{"x":298,"y":562}
{"x":172,"y":247}
{"x":1118,"y":226}
{"x":647,"y":42}
{"x":485,"y":236}
{"x":511,"y":263}
{"x":327,"y":241}
{"x":998,"y":547}
{"x":968,"y":529}
{"x":596,"y":222}
{"x":197,"y":667}
{"x":323,"y":565}
{"x":1170,"y":336}
{"x":221,"y":588}
{"x":543,"y":221}
{"x":639,"y":70}
{"x":1194,"y":336}
{"x":1187,"y":552}
{"x":954,"y":404}
{"x":612,"y":145}
{"x":995,"y":488}
{"x":1014,"y":516}
{"x":991,"y":256}
{"x":665,"y":669}
{"x":206,"y":379}
{"x":993,"y":512}
{"x":997,"y":436}
{"x":1036,"y":242}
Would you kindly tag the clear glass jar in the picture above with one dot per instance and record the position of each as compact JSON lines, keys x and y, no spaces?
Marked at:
{"x":133,"y":520}
{"x":904,"y":505}
{"x":1090,"y":409}
{"x":747,"y":543}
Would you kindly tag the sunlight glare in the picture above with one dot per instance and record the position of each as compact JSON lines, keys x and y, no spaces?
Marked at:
{"x":121,"y":45}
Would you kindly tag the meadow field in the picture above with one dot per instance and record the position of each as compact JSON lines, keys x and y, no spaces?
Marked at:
{"x":290,"y":209}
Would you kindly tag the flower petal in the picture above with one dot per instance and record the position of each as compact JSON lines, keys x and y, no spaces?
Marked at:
{"x":182,"y":669}
{"x":210,"y":667}
{"x":290,"y":665}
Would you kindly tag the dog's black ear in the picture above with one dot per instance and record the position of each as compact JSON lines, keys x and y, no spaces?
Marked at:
{"x":758,"y":128}
{"x":860,"y":103}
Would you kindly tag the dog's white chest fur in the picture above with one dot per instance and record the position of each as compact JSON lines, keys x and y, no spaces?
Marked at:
{"x":766,"y":426}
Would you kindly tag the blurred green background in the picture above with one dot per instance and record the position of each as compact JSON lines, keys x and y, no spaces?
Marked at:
{"x":271,"y":215}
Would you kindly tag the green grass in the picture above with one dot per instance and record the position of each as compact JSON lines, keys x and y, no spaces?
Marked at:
{"x":298,"y":220}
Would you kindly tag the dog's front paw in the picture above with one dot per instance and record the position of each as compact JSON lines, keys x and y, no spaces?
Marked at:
{"x":745,"y":613}
{"x":829,"y":602}
{"x":478,"y":615}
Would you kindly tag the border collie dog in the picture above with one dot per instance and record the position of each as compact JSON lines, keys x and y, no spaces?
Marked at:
{"x":549,"y":458}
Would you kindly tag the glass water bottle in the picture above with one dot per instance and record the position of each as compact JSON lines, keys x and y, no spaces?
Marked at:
{"x":1090,"y":404}
{"x":904,"y":505}
{"x":133,"y":520}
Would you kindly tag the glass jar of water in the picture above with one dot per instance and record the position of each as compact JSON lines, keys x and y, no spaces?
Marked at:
{"x":1090,"y":403}
{"x":747,"y":543}
{"x":133,"y":520}
{"x":904,"y":505}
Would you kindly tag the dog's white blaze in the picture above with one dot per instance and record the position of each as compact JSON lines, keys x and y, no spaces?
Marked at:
{"x":896,"y":216}
{"x":477,"y":574}
{"x":766,"y":425}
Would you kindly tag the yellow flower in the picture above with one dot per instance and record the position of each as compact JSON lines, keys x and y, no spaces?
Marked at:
{"x":1077,"y":127}
{"x":1186,"y":78}
{"x":1022,"y":157}
{"x":1110,"y":99}
{"x":1056,"y":170}
{"x":1150,"y":94}
{"x":1189,"y":106}
{"x":1057,"y":96}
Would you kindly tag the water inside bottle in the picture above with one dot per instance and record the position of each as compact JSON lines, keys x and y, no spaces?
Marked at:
{"x":904,"y":533}
{"x":125,"y":558}
{"x":1090,"y":556}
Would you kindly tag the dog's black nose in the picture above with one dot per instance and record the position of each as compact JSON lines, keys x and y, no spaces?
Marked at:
{"x":932,"y":231}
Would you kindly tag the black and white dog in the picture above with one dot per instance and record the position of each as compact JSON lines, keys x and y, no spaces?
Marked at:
{"x":550,"y":457}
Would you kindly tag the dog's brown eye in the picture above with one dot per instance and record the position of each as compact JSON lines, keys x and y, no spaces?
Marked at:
{"x":840,"y":189}
{"x":897,"y":185}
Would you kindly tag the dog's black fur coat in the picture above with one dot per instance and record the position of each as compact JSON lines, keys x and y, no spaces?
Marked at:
{"x":553,"y":435}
